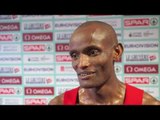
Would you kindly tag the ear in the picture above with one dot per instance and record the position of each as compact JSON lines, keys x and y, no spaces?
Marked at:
{"x":118,"y":50}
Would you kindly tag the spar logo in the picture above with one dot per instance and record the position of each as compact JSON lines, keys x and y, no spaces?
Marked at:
{"x":63,"y":47}
{"x":10,"y":91}
{"x":136,"y":22}
{"x":141,"y":80}
{"x":7,"y":91}
{"x":63,"y":58}
{"x":29,"y":37}
{"x":36,"y":101}
{"x":141,"y":22}
{"x":141,"y":69}
{"x":9,"y":37}
{"x":39,"y":91}
{"x":10,"y":26}
{"x":37,"y":48}
{"x":137,"y":80}
{"x":14,"y":80}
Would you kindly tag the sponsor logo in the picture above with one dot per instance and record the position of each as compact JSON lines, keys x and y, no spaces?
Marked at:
{"x":144,"y":57}
{"x":40,"y":80}
{"x":141,"y":69}
{"x":140,"y":22}
{"x":141,"y":45}
{"x":36,"y":17}
{"x":60,"y":90}
{"x":141,"y":34}
{"x":68,"y":16}
{"x":118,"y":69}
{"x":154,"y":91}
{"x":10,"y":37}
{"x":10,"y":91}
{"x":38,"y":59}
{"x":153,"y":21}
{"x":119,"y":34}
{"x":43,"y":69}
{"x":62,"y":47}
{"x":10,"y":59}
{"x":119,"y":60}
{"x":66,"y":80}
{"x":14,"y":48}
{"x":114,"y":22}
{"x":62,"y":69}
{"x":11,"y":101}
{"x":68,"y":25}
{"x":9,"y":27}
{"x":98,"y":16}
{"x":47,"y":25}
{"x":37,"y":48}
{"x":64,"y":36}
{"x":14,"y":80}
{"x":9,"y":69}
{"x":39,"y":91}
{"x":63,"y":58}
{"x":29,"y":37}
{"x":137,"y":80}
{"x":9,"y":17}
{"x":154,"y":80}
{"x":36,"y":101}
{"x":136,"y":22}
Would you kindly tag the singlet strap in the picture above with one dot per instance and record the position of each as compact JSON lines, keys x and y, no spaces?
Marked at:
{"x":133,"y":95}
{"x":70,"y":96}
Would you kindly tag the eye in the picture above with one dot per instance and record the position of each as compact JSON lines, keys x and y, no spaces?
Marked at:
{"x":74,"y":56}
{"x":93,"y":52}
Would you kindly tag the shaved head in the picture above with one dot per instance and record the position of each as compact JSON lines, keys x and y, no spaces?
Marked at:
{"x":98,"y":30}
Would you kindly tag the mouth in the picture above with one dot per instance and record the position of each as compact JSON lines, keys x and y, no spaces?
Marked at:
{"x":86,"y":75}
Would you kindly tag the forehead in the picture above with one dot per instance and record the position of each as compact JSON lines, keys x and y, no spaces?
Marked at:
{"x":91,"y":35}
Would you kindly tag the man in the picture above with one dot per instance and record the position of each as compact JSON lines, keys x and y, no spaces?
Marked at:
{"x":94,"y":48}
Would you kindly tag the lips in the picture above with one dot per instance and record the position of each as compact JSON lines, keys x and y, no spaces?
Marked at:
{"x":86,"y":75}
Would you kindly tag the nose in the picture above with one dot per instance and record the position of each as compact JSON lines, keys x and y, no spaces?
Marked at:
{"x":83,"y":61}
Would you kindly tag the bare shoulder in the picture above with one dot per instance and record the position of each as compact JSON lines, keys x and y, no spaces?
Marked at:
{"x":58,"y":100}
{"x":149,"y":100}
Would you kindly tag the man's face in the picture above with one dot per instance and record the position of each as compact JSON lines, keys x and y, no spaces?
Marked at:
{"x":91,"y":53}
